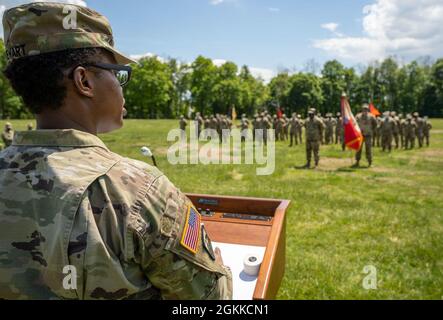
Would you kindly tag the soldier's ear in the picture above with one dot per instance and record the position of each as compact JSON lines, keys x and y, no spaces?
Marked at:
{"x":83,"y":82}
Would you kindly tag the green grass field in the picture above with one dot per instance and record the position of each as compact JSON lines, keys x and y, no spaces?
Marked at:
{"x":341,"y":219}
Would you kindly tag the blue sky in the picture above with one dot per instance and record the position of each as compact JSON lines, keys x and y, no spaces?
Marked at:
{"x":259,"y":33}
{"x":272,"y":35}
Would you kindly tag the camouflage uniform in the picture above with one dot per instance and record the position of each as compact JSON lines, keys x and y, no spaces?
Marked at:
{"x":67,"y":201}
{"x":427,"y":130}
{"x":294,"y":124}
{"x":183,"y":124}
{"x":377,"y":133}
{"x":244,"y":127}
{"x":397,"y":127}
{"x":367,"y":124}
{"x":387,"y":128}
{"x":118,"y":221}
{"x":285,"y":127}
{"x":314,"y":133}
{"x":339,"y":131}
{"x":409,"y":131}
{"x":265,"y":125}
{"x":198,"y":121}
{"x":7,"y":135}
{"x":420,"y":129}
{"x":207,"y":123}
{"x":255,"y":125}
{"x":300,"y":129}
{"x":329,"y":132}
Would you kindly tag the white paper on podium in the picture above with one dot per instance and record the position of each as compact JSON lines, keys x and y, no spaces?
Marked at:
{"x":233,"y":255}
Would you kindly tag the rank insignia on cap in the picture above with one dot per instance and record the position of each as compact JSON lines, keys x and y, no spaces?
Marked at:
{"x":191,"y":234}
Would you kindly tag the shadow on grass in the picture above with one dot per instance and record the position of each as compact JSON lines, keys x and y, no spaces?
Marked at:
{"x":352,"y":168}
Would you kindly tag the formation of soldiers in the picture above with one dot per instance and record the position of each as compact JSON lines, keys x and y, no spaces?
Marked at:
{"x":387,"y":131}
{"x":8,"y":134}
{"x":397,"y":131}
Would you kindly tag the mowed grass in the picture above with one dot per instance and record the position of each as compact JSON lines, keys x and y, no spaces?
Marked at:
{"x":341,"y":219}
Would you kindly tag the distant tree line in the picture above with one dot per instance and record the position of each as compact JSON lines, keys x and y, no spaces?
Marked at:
{"x":168,"y":88}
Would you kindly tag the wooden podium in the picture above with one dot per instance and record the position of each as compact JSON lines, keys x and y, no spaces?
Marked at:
{"x":252,"y":222}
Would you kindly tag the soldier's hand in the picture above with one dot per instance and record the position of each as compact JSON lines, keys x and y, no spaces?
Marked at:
{"x":218,"y":257}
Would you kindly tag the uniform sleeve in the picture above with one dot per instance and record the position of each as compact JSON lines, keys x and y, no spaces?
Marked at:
{"x":180,"y":270}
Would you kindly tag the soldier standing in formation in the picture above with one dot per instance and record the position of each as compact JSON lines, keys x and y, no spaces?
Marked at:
{"x":285,"y":127}
{"x":199,"y":124}
{"x":183,"y":124}
{"x":244,"y":127}
{"x":420,"y":128}
{"x":330,"y":123}
{"x":367,"y":124}
{"x":377,"y":133}
{"x":401,"y":123}
{"x":8,"y":134}
{"x":409,"y":131}
{"x":314,"y":137}
{"x":397,"y":125}
{"x":387,"y":128}
{"x":294,"y":123}
{"x":265,"y":125}
{"x":300,"y":128}
{"x":207,"y":122}
{"x":427,"y":129}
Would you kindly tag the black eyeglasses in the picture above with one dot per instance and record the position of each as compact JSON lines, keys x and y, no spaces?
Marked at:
{"x":122,"y":73}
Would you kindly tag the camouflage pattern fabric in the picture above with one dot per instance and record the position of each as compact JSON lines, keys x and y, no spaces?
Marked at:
{"x":43,"y":27}
{"x":65,"y":199}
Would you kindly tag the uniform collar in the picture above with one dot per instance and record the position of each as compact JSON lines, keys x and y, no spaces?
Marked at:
{"x":57,"y":138}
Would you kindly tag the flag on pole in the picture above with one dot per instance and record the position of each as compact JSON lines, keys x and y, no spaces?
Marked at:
{"x":353,"y":135}
{"x":374,"y":110}
{"x":279,"y":113}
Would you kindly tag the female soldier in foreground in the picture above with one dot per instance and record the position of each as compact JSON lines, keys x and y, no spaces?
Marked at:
{"x":76,"y":220}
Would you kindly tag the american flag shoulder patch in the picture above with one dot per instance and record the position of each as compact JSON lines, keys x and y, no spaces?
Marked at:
{"x":191,"y":233}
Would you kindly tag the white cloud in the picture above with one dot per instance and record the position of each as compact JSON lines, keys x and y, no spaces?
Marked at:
{"x":275,"y":10}
{"x":219,"y":62}
{"x":265,"y":74}
{"x":7,"y":4}
{"x":147,"y":55}
{"x":332,"y":26}
{"x":406,"y":28}
{"x":217,"y":2}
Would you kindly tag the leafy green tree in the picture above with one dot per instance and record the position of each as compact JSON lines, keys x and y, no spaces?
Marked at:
{"x":333,"y":84}
{"x":305,"y":92}
{"x":148,"y":94}
{"x":203,"y":79}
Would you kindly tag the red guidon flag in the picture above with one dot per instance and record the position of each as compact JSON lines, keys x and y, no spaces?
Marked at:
{"x":353,"y":136}
{"x":374,"y":110}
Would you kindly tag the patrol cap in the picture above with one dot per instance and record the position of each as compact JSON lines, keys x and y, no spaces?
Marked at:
{"x":8,"y":125}
{"x":365,"y":107}
{"x":311,"y":111}
{"x":338,"y":114}
{"x":416,"y":114}
{"x":393,"y":113}
{"x":409,"y":117}
{"x":43,"y":27}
